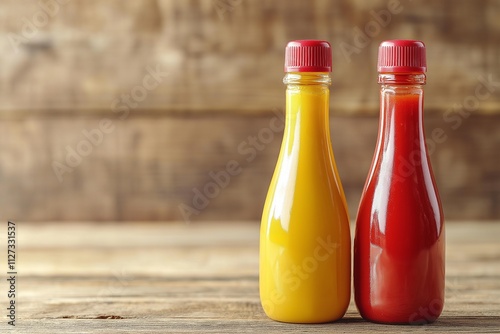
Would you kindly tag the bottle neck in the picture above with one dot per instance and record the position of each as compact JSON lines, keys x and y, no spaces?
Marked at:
{"x":401,"y":133}
{"x":307,"y":78}
{"x":307,"y":105}
{"x":401,"y":79}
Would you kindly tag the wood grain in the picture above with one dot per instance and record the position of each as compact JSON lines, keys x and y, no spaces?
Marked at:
{"x":151,"y":164}
{"x":203,"y":278}
{"x":91,"y":52}
{"x":224,"y":72}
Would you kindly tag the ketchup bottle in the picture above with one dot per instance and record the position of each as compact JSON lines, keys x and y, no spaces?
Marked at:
{"x":305,"y":243}
{"x":399,"y":246}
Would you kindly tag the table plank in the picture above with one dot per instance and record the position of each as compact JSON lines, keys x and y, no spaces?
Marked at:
{"x":177,"y":278}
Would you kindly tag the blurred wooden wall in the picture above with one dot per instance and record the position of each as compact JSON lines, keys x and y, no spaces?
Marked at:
{"x":158,"y":95}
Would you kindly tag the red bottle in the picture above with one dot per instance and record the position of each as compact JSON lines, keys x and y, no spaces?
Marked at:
{"x":399,"y":245}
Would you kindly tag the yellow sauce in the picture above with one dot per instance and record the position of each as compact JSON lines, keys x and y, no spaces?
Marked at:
{"x":305,"y":239}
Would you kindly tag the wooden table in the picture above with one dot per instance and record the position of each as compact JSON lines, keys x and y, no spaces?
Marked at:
{"x":203,"y":278}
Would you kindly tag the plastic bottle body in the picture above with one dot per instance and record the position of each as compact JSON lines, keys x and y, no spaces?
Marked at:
{"x":399,"y":247}
{"x":305,"y":237}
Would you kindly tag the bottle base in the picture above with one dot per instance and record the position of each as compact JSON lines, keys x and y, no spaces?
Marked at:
{"x":414,"y":319}
{"x":305,"y":317}
{"x":401,"y":323}
{"x":304,"y":321}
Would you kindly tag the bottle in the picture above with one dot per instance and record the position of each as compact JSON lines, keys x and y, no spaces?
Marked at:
{"x":399,"y":245}
{"x":305,"y":261}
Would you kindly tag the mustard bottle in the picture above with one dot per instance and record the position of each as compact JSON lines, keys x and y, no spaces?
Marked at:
{"x":305,"y":261}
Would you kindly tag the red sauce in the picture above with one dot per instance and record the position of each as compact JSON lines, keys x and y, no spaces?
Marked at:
{"x":399,"y":242}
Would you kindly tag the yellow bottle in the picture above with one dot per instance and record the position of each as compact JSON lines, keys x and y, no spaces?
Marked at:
{"x":305,"y":261}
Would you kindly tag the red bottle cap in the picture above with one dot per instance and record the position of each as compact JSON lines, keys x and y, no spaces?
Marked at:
{"x":402,"y":56}
{"x":308,"y":56}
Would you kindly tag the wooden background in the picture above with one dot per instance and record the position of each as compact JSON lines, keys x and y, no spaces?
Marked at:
{"x":66,"y":68}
